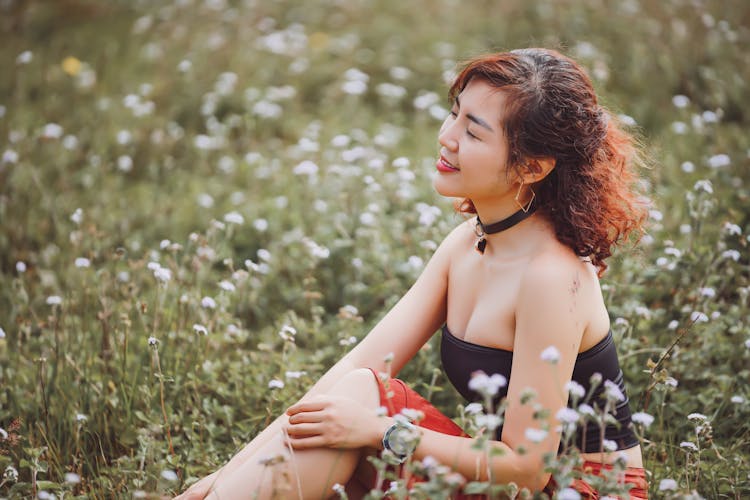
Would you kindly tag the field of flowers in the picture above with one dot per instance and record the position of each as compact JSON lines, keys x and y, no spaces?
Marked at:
{"x":205,"y":203}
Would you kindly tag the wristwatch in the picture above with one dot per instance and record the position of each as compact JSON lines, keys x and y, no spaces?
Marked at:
{"x":401,"y":439}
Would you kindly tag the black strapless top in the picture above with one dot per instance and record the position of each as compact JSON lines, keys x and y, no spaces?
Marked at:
{"x":461,"y":358}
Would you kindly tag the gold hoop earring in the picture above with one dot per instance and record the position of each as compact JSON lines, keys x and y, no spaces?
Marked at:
{"x":527,"y":207}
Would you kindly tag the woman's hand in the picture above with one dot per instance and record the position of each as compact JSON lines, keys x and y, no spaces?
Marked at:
{"x":334,"y":422}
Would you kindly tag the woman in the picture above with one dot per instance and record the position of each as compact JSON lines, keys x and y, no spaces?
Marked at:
{"x":549,"y":175}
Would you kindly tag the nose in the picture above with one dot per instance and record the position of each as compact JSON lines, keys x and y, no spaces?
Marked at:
{"x":447,"y":136}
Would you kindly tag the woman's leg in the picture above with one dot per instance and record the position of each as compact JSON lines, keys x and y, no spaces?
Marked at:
{"x":274,"y":471}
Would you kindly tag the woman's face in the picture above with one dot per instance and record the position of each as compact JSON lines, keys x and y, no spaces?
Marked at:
{"x":474,"y":149}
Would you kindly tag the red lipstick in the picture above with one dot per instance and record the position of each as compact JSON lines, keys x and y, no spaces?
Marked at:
{"x":444,"y":166}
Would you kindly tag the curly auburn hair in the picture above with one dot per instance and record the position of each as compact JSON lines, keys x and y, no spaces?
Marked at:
{"x":591,"y":195}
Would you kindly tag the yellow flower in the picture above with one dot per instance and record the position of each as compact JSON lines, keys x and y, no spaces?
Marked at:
{"x":71,"y":65}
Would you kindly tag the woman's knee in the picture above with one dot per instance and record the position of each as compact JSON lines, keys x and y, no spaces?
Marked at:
{"x":359,"y":383}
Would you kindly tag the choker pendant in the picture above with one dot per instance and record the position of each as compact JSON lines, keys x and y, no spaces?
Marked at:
{"x":481,"y":229}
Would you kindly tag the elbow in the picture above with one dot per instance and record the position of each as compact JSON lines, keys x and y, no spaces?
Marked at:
{"x":527,"y":474}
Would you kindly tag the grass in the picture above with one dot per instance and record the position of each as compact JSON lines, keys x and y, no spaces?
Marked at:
{"x":182,"y":128}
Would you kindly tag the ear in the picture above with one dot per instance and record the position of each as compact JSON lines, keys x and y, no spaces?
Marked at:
{"x":537,"y":169}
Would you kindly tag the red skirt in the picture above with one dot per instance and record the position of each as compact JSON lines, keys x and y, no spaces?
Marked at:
{"x":398,"y":396}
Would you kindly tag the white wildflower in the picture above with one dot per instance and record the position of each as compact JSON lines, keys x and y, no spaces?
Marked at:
{"x":568,"y":494}
{"x":709,"y":116}
{"x":704,"y":185}
{"x":227,"y":286}
{"x":124,"y":163}
{"x":354,"y":87}
{"x":738,"y":400}
{"x":205,"y":200}
{"x":673,"y":324}
{"x":208,"y":303}
{"x":306,"y":167}
{"x":348,"y":341}
{"x":415,"y":262}
{"x":697,"y":416}
{"x":10,"y":474}
{"x":52,"y":131}
{"x":535,"y":435}
{"x":80,"y":417}
{"x":2,"y":333}
{"x":667,"y":484}
{"x":698,"y":317}
{"x":3,"y":433}
{"x":718,"y":161}
{"x":612,"y":391}
{"x":489,"y":422}
{"x":575,"y":389}
{"x":731,"y":255}
{"x":264,"y":254}
{"x":688,"y":167}
{"x":152,"y":341}
{"x":276,"y":384}
{"x":234,"y":218}
{"x":483,"y":384}
{"x":169,"y":475}
{"x":680,"y":101}
{"x":732,"y":229}
{"x":642,"y":418}
{"x":689,"y":445}
{"x":54,"y":300}
{"x":198,"y":328}
{"x":473,"y":408}
{"x":295,"y":374}
{"x":567,"y":415}
{"x":425,"y":100}
{"x":679,"y":128}
{"x":429,"y":462}
{"x":24,"y":57}
{"x":367,"y":219}
{"x":671,"y":382}
{"x":260,"y":225}
{"x":72,"y":478}
{"x":77,"y":216}
{"x":550,"y":355}
{"x":287,"y":333}
{"x":163,"y":274}
{"x":391,"y":90}
{"x":9,"y":156}
{"x":412,"y":414}
{"x":707,"y":291}
{"x":609,"y":445}
{"x":21,"y":267}
{"x":82,"y":262}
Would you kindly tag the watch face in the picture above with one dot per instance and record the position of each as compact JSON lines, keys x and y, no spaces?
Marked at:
{"x":402,"y":441}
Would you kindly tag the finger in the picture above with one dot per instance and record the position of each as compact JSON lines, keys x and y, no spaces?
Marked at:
{"x":306,"y":417}
{"x":303,"y":430}
{"x":316,"y":405}
{"x":306,"y":443}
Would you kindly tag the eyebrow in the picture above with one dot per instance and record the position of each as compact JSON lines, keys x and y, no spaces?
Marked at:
{"x":474,"y":118}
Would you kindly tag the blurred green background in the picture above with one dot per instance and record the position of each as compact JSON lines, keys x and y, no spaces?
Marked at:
{"x":175,"y":168}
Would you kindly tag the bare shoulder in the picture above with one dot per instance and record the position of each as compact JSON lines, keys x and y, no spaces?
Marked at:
{"x":557,"y":268}
{"x":566,"y":288}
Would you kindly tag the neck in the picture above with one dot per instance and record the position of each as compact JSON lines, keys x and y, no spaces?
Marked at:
{"x":503,"y":228}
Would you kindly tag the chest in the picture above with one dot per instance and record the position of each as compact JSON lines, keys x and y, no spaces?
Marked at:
{"x":482,"y":299}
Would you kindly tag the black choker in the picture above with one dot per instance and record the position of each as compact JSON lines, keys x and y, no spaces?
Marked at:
{"x":499,"y":226}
